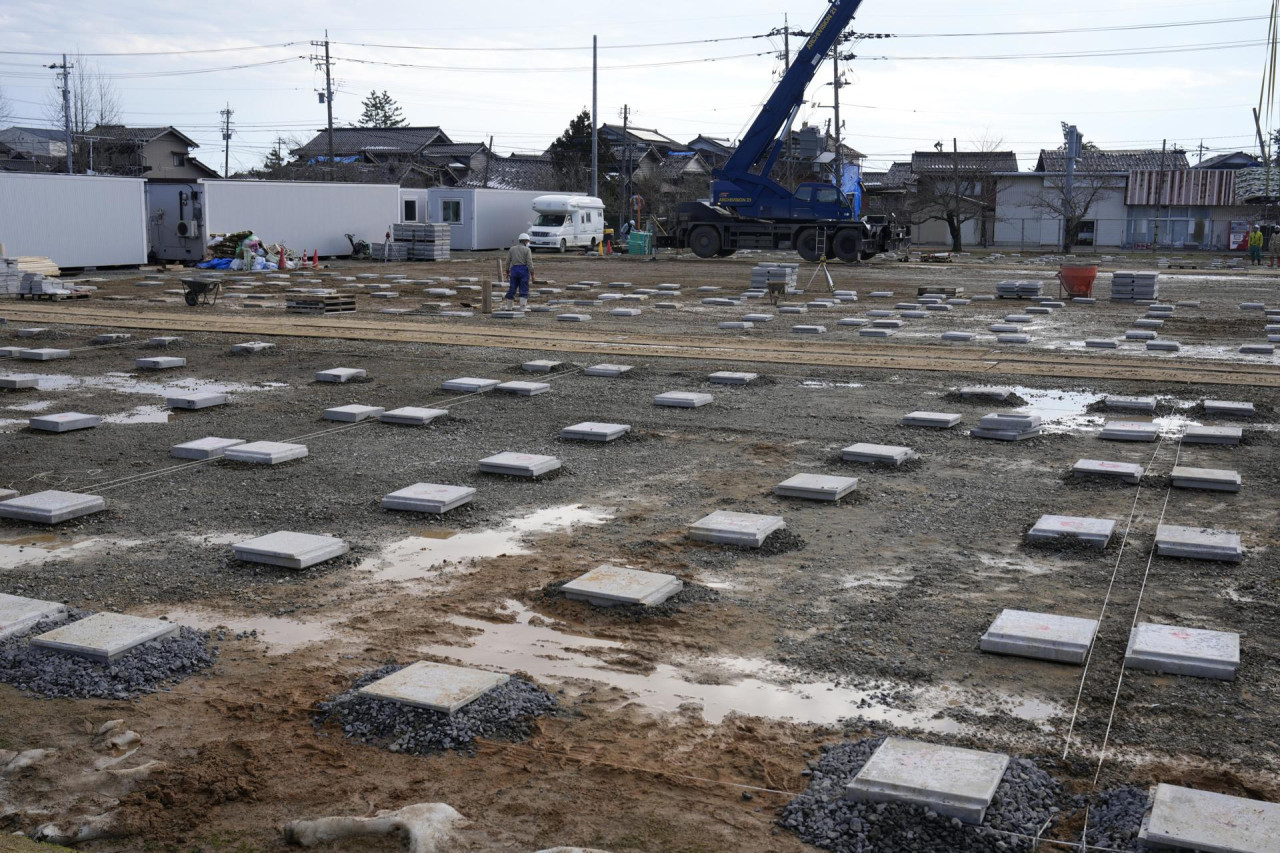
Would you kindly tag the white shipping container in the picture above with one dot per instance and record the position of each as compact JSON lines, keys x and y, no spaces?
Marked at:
{"x":74,"y":220}
{"x":480,"y":218}
{"x":305,"y":216}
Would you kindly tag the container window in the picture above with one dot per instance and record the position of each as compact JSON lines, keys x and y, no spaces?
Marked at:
{"x":410,"y":210}
{"x":451,"y":210}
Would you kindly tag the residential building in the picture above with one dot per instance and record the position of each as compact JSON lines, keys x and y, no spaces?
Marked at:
{"x":1233,"y":161}
{"x":16,"y":161}
{"x":154,"y":153}
{"x":715,"y":150}
{"x":942,"y":190}
{"x":36,"y":141}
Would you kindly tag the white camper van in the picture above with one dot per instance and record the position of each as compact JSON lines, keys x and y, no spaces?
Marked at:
{"x":565,"y":221}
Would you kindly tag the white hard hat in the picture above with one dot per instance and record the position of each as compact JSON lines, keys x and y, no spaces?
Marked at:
{"x":523,"y":238}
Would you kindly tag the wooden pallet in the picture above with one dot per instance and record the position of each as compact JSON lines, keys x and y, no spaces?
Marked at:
{"x":321,"y":305}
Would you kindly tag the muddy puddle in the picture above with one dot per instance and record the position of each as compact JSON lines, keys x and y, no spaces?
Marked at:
{"x":427,"y":554}
{"x":280,"y":635}
{"x":36,"y":549}
{"x":825,"y":383}
{"x":130,"y":383}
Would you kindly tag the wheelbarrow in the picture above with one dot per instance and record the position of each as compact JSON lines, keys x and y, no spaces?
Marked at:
{"x":201,"y":291}
{"x":1077,"y":279}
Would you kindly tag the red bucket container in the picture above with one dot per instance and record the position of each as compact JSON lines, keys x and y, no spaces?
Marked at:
{"x":1078,"y":279}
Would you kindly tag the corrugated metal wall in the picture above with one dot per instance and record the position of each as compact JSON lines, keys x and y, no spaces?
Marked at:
{"x":1191,"y":187}
{"x":304,"y":216}
{"x":76,"y":220}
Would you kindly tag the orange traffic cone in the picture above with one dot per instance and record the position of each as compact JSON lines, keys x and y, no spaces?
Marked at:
{"x":281,"y":265}
{"x":608,"y":247}
{"x":315,"y":259}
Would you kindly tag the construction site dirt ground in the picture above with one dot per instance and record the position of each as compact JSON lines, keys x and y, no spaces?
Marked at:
{"x":684,"y":729}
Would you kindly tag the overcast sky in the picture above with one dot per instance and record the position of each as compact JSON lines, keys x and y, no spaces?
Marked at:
{"x":518,"y":71}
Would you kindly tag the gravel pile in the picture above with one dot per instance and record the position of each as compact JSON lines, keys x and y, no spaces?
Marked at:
{"x":1116,"y":817}
{"x":503,"y":713}
{"x":146,"y":669}
{"x":1026,"y":800}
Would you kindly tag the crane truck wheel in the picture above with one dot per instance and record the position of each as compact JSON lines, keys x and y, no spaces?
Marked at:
{"x":847,"y":245}
{"x":705,"y":241}
{"x":807,"y":244}
{"x":724,"y":253}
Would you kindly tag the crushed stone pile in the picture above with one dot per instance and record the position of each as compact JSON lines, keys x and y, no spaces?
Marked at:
{"x":1116,"y":817}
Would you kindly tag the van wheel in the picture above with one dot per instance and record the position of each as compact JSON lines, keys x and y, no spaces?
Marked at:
{"x":563,"y":245}
{"x":595,"y":245}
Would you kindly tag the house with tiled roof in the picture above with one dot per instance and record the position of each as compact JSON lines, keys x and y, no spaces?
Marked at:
{"x":154,"y":153}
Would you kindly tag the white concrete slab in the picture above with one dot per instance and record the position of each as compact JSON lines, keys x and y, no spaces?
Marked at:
{"x":17,"y":613}
{"x":471,"y":384}
{"x":290,"y":550}
{"x":682,"y":399}
{"x":353,"y":413}
{"x":732,"y":377}
{"x":341,"y":374}
{"x":816,"y":487}
{"x":1212,"y":435}
{"x":935,"y":420}
{"x":1197,"y":543}
{"x":541,"y":366}
{"x":204,"y":448}
{"x":519,"y":464}
{"x":1130,"y":404}
{"x":43,"y":354}
{"x":412,"y":416}
{"x":1095,"y":531}
{"x":104,"y":637}
{"x":265,"y":452}
{"x":1183,"y":651}
{"x":955,"y":782}
{"x":1128,"y":472}
{"x":1212,"y":479}
{"x":51,"y":506}
{"x":432,"y":498}
{"x":881,"y":453}
{"x":251,"y":347}
{"x":1187,"y":819}
{"x":1129,"y":431}
{"x":524,"y":389}
{"x":434,"y":686}
{"x":63,"y":422}
{"x":19,"y":381}
{"x":1229,"y":407}
{"x":160,"y":362}
{"x":607,"y":586}
{"x":196,"y":400}
{"x":1044,"y":636}
{"x":594,"y":431}
{"x":735,"y":528}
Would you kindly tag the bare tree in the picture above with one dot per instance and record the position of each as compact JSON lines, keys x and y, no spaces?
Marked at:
{"x":94,"y":101}
{"x":958,"y":187}
{"x":1072,"y":207}
{"x":6,"y":111}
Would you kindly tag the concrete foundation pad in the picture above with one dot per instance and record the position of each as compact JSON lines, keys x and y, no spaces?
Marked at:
{"x":1213,"y":479}
{"x":683,"y":399}
{"x":112,"y":338}
{"x":852,"y":321}
{"x":1183,"y":651}
{"x":290,"y":550}
{"x":1003,"y":328}
{"x":730,"y":377}
{"x":524,"y":389}
{"x":412,"y":416}
{"x":519,"y":464}
{"x":1187,"y":819}
{"x":353,"y":413}
{"x":17,"y":614}
{"x":1125,"y":471}
{"x":876,"y":333}
{"x":816,"y":487}
{"x":608,"y":586}
{"x":573,"y":318}
{"x":31,"y":333}
{"x":470,"y":385}
{"x":1101,"y":343}
{"x":541,"y":366}
{"x":593,"y":431}
{"x":809,"y":330}
{"x":1013,"y":339}
{"x":160,"y":362}
{"x":507,"y":315}
{"x":955,"y":782}
{"x":340,"y":374}
{"x":204,"y":448}
{"x":1212,"y":435}
{"x":43,"y":354}
{"x":198,"y":400}
{"x":63,"y":422}
{"x":51,"y":507}
{"x":1196,"y":543}
{"x":985,"y":392}
{"x":936,"y":420}
{"x":1139,"y":335}
{"x":735,"y":528}
{"x":878,"y":453}
{"x":265,"y":452}
{"x":1164,"y":346}
{"x":730,"y":325}
{"x":957,"y":336}
{"x":1130,"y":404}
{"x":611,"y":371}
{"x":757,"y":318}
{"x":104,"y":637}
{"x":1129,"y":431}
{"x":251,"y":347}
{"x":19,"y":381}
{"x":1095,"y":531}
{"x":429,"y":497}
{"x":1227,"y":407}
{"x":1258,"y":349}
{"x":1044,"y":636}
{"x":887,"y":324}
{"x":434,"y":686}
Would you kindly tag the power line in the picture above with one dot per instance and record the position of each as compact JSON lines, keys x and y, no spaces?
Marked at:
{"x":1068,"y":30}
{"x":160,"y":52}
{"x":557,"y":69}
{"x":561,"y":49}
{"x":181,"y":72}
{"x":1074,"y":54}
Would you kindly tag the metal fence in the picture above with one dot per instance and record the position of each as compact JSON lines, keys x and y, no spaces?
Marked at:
{"x":1167,"y":235}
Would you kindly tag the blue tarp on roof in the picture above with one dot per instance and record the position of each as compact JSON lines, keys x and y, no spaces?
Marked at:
{"x":354,"y":158}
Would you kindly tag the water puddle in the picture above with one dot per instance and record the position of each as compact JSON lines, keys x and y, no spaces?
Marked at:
{"x":824,"y":383}
{"x":426,"y":554}
{"x":720,"y":685}
{"x":38,"y":406}
{"x":279,"y":634}
{"x":33,"y":550}
{"x":140,"y":415}
{"x":129,"y":383}
{"x":1005,"y":565}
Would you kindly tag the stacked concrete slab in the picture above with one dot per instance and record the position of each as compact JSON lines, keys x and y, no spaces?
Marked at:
{"x":1092,"y":531}
{"x":1019,"y":289}
{"x":1135,"y":285}
{"x":878,"y":453}
{"x":1007,"y":426}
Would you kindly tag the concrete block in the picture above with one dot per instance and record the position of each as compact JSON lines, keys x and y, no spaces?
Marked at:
{"x":1196,"y":543}
{"x":1212,"y":435}
{"x":541,"y":366}
{"x":1007,"y":426}
{"x":1212,"y":479}
{"x":1188,"y":819}
{"x":852,"y":321}
{"x":1044,"y":636}
{"x":816,"y":487}
{"x":290,"y":550}
{"x":757,"y":318}
{"x":471,"y":384}
{"x":63,"y":422}
{"x":412,"y":416}
{"x":265,"y":452}
{"x":198,"y":400}
{"x":1148,"y":323}
{"x":340,"y":374}
{"x":160,"y":362}
{"x":1129,"y":431}
{"x":1018,"y":318}
{"x":731,"y":377}
{"x":1140,"y":335}
{"x":51,"y":507}
{"x":104,"y":637}
{"x":1094,"y":531}
{"x":1127,"y":472}
{"x":1130,"y":404}
{"x":204,"y":448}
{"x":19,"y":381}
{"x":43,"y":354}
{"x":876,"y":333}
{"x":519,"y":464}
{"x":1227,"y":407}
{"x":809,"y":330}
{"x":880,"y":313}
{"x":682,"y":399}
{"x":1183,"y":651}
{"x":887,"y":324}
{"x":1013,"y":339}
{"x":1253,"y":306}
{"x":524,"y":389}
{"x":792,"y":309}
{"x":1164,"y":346}
{"x":251,"y":347}
{"x":434,"y":686}
{"x":593,"y":431}
{"x":507,"y":314}
{"x":1005,"y":328}
{"x":735,"y":528}
{"x":938,"y":307}
{"x":957,"y":336}
{"x":10,"y":352}
{"x":34,"y":332}
{"x":17,"y":614}
{"x":429,"y":497}
{"x":954,"y":782}
{"x":881,"y":294}
{"x":667,"y":306}
{"x":353,"y":413}
{"x":1189,"y":303}
{"x":608,"y":586}
{"x":914,"y":315}
{"x":735,"y":325}
{"x":162,"y":341}
{"x":1084,"y":300}
{"x":936,"y":420}
{"x":112,"y":338}
{"x":878,"y":453}
{"x":1101,"y":343}
{"x":624,"y":312}
{"x":573,"y":318}
{"x":608,"y":370}
{"x":907,"y":306}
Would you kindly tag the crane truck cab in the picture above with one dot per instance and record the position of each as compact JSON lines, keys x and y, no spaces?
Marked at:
{"x":565,"y":221}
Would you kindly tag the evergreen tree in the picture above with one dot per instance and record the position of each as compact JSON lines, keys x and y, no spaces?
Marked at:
{"x":571,"y":155}
{"x":380,"y":110}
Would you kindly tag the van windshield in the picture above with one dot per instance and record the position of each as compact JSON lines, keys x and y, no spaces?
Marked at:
{"x":550,"y":220}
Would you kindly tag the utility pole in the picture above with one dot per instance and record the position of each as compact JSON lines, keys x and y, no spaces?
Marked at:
{"x":1074,"y":147}
{"x":226,"y":114}
{"x":595,"y":102}
{"x":626,"y":168}
{"x":66,"y":106}
{"x":1200,"y":153}
{"x":487,"y":161}
{"x":1155,"y":246}
{"x":835,"y":65}
{"x":326,"y":97}
{"x":786,"y":65}
{"x":955,"y":167}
